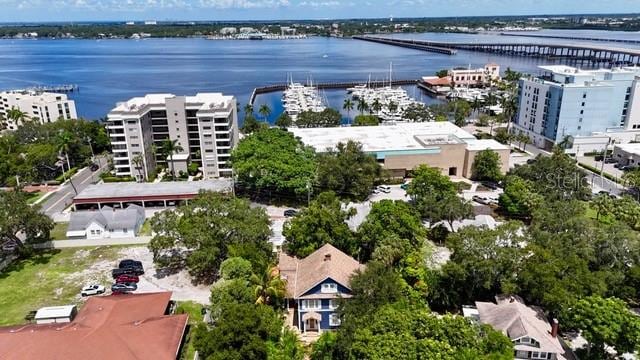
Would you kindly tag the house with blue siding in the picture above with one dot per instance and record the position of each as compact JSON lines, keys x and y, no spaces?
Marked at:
{"x":314,"y":285}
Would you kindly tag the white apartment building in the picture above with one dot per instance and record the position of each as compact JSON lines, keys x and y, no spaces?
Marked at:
{"x":567,"y":101}
{"x":44,"y":107}
{"x":205,"y":126}
{"x":474,"y":77}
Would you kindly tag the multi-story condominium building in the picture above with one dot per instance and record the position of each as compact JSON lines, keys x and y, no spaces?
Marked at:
{"x":566,"y":101}
{"x":205,"y":126}
{"x":43,"y":107}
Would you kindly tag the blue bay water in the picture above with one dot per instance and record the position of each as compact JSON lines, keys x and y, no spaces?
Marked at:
{"x":109,"y":71}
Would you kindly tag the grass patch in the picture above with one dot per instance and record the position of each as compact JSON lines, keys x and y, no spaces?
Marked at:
{"x":195,"y":317}
{"x":592,"y":213}
{"x":42,"y":280}
{"x":59,"y":231}
{"x":145,"y":229}
{"x":35,"y":196}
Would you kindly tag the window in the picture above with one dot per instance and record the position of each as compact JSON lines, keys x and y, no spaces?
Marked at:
{"x":125,"y":231}
{"x":333,"y":304}
{"x":334,"y":320}
{"x":329,"y":288}
{"x":310,"y":304}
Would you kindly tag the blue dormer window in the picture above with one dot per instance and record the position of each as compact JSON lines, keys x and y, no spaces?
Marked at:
{"x":329,"y":288}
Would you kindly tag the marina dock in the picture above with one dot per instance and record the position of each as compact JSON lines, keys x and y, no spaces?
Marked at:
{"x":328,"y":85}
{"x":66,"y":88}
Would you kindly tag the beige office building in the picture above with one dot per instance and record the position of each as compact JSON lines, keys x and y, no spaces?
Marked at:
{"x":401,"y":147}
{"x":43,"y":107}
{"x":205,"y":126}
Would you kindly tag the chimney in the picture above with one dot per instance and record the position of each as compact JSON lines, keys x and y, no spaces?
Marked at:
{"x":327,"y":257}
{"x":554,"y":327}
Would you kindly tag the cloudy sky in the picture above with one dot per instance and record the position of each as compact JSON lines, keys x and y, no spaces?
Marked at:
{"x":74,"y":10}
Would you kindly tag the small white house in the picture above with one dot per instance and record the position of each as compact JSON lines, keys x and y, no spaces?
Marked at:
{"x":106,"y":223}
{"x":56,"y":314}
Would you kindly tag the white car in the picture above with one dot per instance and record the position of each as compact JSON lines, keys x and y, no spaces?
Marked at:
{"x":92,"y":290}
{"x":384,"y":188}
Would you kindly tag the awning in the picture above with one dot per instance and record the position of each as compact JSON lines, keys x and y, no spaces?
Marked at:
{"x":311,"y":315}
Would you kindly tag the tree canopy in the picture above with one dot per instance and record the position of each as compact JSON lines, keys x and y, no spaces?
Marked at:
{"x":366,"y":120}
{"x":273,"y":161}
{"x":486,"y":166}
{"x":20,"y":221}
{"x":212,"y":227}
{"x":348,"y":171}
{"x":326,"y":118}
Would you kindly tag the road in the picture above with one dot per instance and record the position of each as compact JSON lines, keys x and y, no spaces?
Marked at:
{"x":62,"y":198}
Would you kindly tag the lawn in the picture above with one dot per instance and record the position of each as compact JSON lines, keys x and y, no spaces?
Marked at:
{"x":59,"y":231}
{"x":45,"y":280}
{"x":145,"y":230}
{"x":195,"y":317}
{"x":35,"y":196}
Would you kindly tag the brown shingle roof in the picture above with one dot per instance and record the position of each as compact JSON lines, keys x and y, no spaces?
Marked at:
{"x":326,"y":262}
{"x":511,"y":316}
{"x":107,"y":327}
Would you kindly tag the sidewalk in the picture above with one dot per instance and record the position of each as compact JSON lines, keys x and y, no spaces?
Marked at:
{"x":69,"y":243}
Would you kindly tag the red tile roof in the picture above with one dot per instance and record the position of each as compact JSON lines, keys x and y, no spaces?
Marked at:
{"x":131,"y":326}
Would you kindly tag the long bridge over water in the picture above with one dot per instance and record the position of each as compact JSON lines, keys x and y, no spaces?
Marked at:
{"x":595,"y":54}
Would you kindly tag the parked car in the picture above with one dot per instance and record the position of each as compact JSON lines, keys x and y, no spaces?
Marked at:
{"x":92,"y":290}
{"x":490,"y":184}
{"x":405,"y":185}
{"x":531,"y":161}
{"x":94,"y":167}
{"x":598,"y":157}
{"x":604,"y":192}
{"x":481,"y":200}
{"x":627,"y":168}
{"x":124,"y":287}
{"x":610,"y":161}
{"x":290,"y":213}
{"x":115,"y":273}
{"x":127,"y":278}
{"x":384,"y":188}
{"x":133,"y":265}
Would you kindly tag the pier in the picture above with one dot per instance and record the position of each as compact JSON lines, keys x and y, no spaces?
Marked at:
{"x":328,"y":85}
{"x":564,"y":37}
{"x":410,"y":45}
{"x":67,"y":88}
{"x":593,"y":54}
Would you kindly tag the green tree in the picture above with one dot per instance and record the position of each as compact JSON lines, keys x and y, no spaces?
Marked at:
{"x":519,"y":198}
{"x":64,"y":143}
{"x":606,"y":322}
{"x":203,"y":233}
{"x":442,"y":73}
{"x":503,"y":136}
{"x":269,"y":288}
{"x":603,"y":204}
{"x":627,"y":211}
{"x":417,"y":113}
{"x":348,"y":106}
{"x":168,"y":149}
{"x":288,"y":347}
{"x":138,"y":162}
{"x":366,"y":120}
{"x":428,"y":189}
{"x":18,"y":116}
{"x":376,"y":105}
{"x":250,"y":124}
{"x":486,"y":166}
{"x":21,"y":223}
{"x":241,"y":332}
{"x":284,"y":121}
{"x":273,"y":160}
{"x":326,"y":118}
{"x":324,"y":348}
{"x":236,"y":268}
{"x":632,"y":179}
{"x":391,"y":223}
{"x":348,"y":171}
{"x":362,"y":106}
{"x":264,"y":111}
{"x":323,"y":222}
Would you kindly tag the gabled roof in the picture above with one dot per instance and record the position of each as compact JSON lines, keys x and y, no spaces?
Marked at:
{"x":326,"y":262}
{"x":516,"y":320}
{"x":107,"y":327}
{"x":107,"y":217}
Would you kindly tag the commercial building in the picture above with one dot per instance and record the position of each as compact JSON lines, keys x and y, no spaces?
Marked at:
{"x":43,"y":107}
{"x":474,"y":77}
{"x":127,"y":327}
{"x":567,"y":101}
{"x":627,"y":154}
{"x":401,"y":147}
{"x":146,"y":195}
{"x":205,"y":127}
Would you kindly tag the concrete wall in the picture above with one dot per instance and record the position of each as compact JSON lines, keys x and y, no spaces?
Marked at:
{"x":449,"y":156}
{"x":471,"y":155}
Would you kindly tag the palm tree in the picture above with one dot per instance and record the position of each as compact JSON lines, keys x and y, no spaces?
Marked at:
{"x":509,"y":106}
{"x":524,"y":140}
{"x":392,"y":106}
{"x":248,"y":109}
{"x":348,"y":105}
{"x":475,"y":105}
{"x":376,"y":106}
{"x":170,"y":148}
{"x":265,"y":111}
{"x":269,"y":288}
{"x":138,"y":161}
{"x":362,"y":106}
{"x":63,"y":142}
{"x":17,"y":115}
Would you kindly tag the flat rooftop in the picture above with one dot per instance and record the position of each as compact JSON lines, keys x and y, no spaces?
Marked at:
{"x":630,"y":148}
{"x":484,"y":144}
{"x":404,"y":136}
{"x":206,"y":101}
{"x":134,"y":190}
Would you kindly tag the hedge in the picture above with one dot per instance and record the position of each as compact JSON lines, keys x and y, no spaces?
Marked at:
{"x":67,"y":175}
{"x":115,"y":179}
